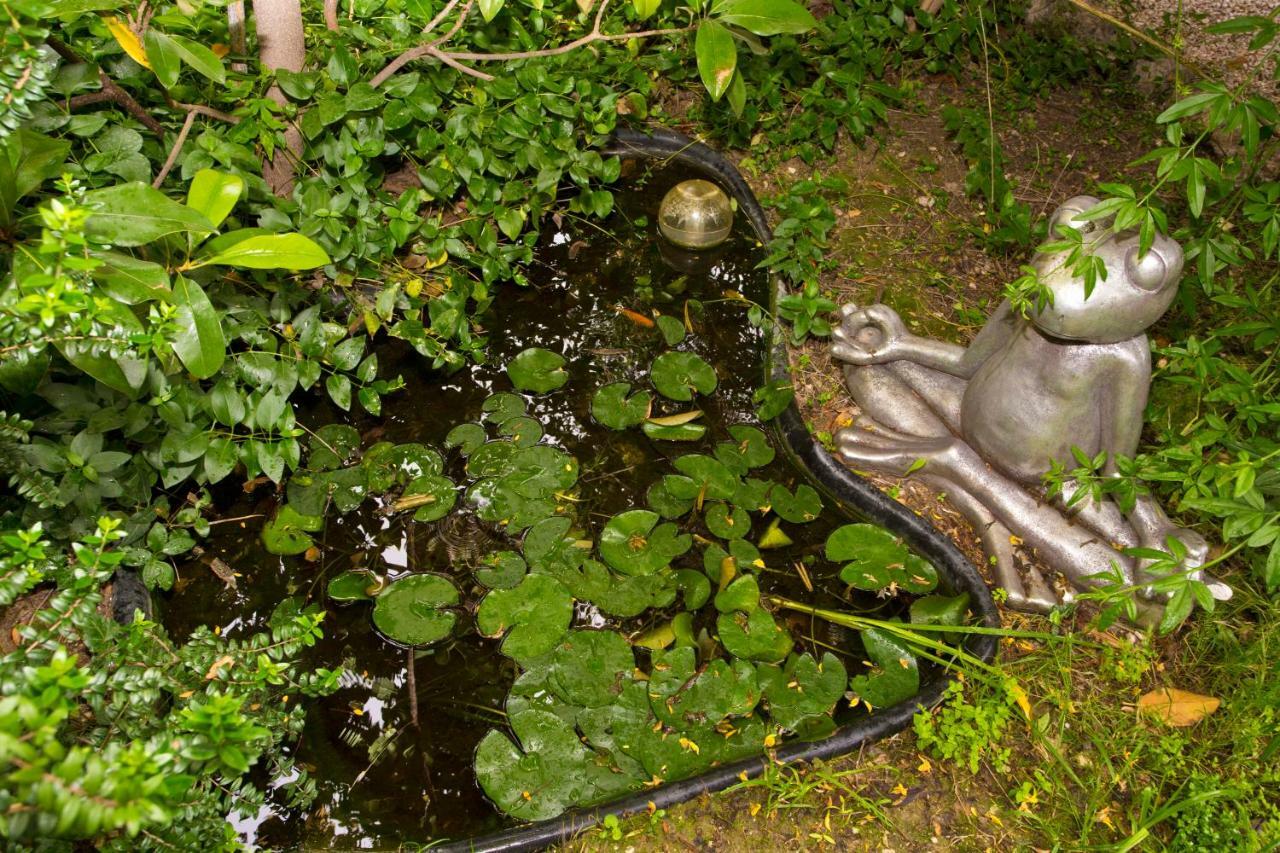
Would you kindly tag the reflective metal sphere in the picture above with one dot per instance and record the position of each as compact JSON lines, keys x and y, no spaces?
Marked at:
{"x":695,"y":215}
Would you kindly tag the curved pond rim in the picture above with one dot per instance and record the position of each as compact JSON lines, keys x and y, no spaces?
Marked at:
{"x":830,"y":477}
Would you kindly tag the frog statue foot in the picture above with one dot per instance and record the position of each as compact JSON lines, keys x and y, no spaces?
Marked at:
{"x":984,"y":424}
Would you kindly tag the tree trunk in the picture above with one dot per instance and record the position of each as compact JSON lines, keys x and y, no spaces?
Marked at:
{"x":281,"y":45}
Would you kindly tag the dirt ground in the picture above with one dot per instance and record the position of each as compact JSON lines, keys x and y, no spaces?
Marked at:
{"x":908,"y":236}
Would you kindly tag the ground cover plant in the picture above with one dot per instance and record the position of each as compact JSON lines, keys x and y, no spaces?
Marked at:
{"x":298,"y":212}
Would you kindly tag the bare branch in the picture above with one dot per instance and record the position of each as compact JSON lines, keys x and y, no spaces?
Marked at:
{"x":175,"y":150}
{"x":441,"y":15}
{"x":331,"y":14}
{"x":435,"y":53}
{"x":208,"y":111}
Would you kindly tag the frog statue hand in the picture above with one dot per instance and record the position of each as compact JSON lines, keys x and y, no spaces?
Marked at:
{"x":985,"y":423}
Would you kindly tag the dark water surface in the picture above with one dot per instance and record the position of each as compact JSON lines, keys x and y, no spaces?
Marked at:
{"x":382,"y":781}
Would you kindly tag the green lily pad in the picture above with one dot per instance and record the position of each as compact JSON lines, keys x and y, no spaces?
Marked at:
{"x":695,"y":586}
{"x":501,"y":569}
{"x":806,"y":688}
{"x":465,"y":437}
{"x":541,"y":470}
{"x":741,"y":554}
{"x":412,"y":609}
{"x":492,"y":459}
{"x":333,"y":446}
{"x":753,"y":495}
{"x":713,"y":480}
{"x":386,"y":466}
{"x":540,"y":778}
{"x":749,"y":449}
{"x":534,"y":615}
{"x":678,"y":375}
{"x":753,"y":636}
{"x":940,"y":610}
{"x":802,"y":507}
{"x":681,"y":696}
{"x":661,"y":500}
{"x":523,"y":431}
{"x":612,"y":407}
{"x":673,"y":432}
{"x":499,"y":503}
{"x":625,"y":597}
{"x":895,"y":675}
{"x":743,"y":594}
{"x":633,"y":543}
{"x":502,"y":407}
{"x":288,"y":532}
{"x":537,"y":370}
{"x":772,"y":399}
{"x":875,"y":559}
{"x":359,"y":585}
{"x":726,"y":521}
{"x":548,"y":542}
{"x":590,"y":668}
{"x":673,"y":330}
{"x":431,"y":497}
{"x":773,"y":537}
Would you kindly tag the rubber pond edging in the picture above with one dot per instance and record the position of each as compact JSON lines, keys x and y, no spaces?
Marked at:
{"x":831,"y":477}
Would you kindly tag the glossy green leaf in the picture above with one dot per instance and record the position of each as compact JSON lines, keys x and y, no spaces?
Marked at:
{"x":359,"y":585}
{"x":134,"y":214}
{"x":590,"y":668}
{"x":717,"y":57}
{"x":272,"y":252}
{"x":333,"y":446}
{"x":537,"y":370}
{"x":617,"y":408}
{"x":875,"y":559}
{"x":678,"y":375}
{"x":533,"y":615}
{"x":502,"y":407}
{"x":501,"y":569}
{"x":940,"y":609}
{"x":726,"y":521}
{"x":678,"y":432}
{"x":432,"y":495}
{"x":765,"y":17}
{"x":634,"y":543}
{"x":412,"y":609}
{"x":465,"y":437}
{"x":895,"y":674}
{"x":753,"y":636}
{"x":214,"y":194}
{"x":198,"y":339}
{"x":672,"y":329}
{"x":805,"y":688}
{"x":802,"y":507}
{"x":749,"y":449}
{"x":287,"y":533}
{"x":661,"y":500}
{"x":681,"y":695}
{"x":742,"y":594}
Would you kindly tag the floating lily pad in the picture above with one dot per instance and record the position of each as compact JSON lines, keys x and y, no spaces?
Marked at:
{"x":806,"y":688}
{"x":288,"y":532}
{"x":673,"y":330}
{"x":875,"y":559}
{"x":523,"y":431}
{"x":726,"y":521}
{"x":772,"y":399}
{"x":678,"y":375}
{"x":673,"y":432}
{"x":412,"y":609}
{"x":502,"y":407}
{"x":743,"y":594}
{"x":741,"y":557}
{"x":360,"y":585}
{"x":713,"y":480}
{"x":802,"y":507}
{"x":661,"y":500}
{"x":753,"y":636}
{"x":695,"y":586}
{"x":333,"y":446}
{"x":548,"y":542}
{"x":386,"y":466}
{"x":940,"y":610}
{"x":753,"y":495}
{"x":634,"y":543}
{"x":773,"y":537}
{"x":681,"y":695}
{"x":749,"y":449}
{"x":465,"y":437}
{"x":613,"y":408}
{"x":501,"y":569}
{"x":537,"y":370}
{"x":492,"y":459}
{"x":590,"y":668}
{"x":895,"y":675}
{"x":534,"y":616}
{"x":630,"y":596}
{"x":541,"y":777}
{"x":430,"y":498}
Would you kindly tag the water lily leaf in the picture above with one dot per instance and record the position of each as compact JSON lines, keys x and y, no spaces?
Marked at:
{"x":398,"y":464}
{"x":333,"y":446}
{"x":465,"y":437}
{"x":660,"y":636}
{"x":741,"y":557}
{"x":940,"y":610}
{"x":534,"y":616}
{"x":661,"y":500}
{"x":590,"y":668}
{"x":695,"y":586}
{"x":492,"y":459}
{"x":726,"y":521}
{"x":287,"y":533}
{"x":672,"y":329}
{"x":895,"y":674}
{"x":774,"y":536}
{"x":502,"y":406}
{"x":498,"y":502}
{"x":679,"y":432}
{"x":877,"y":559}
{"x":625,"y":597}
{"x":431,"y":497}
{"x":753,"y":636}
{"x":548,"y":542}
{"x":612,"y":407}
{"x":412,"y":609}
{"x":802,"y":507}
{"x":542,"y":776}
{"x":633,"y":545}
{"x":681,"y":696}
{"x":749,"y":449}
{"x":772,"y":399}
{"x":678,"y":375}
{"x":714,"y":480}
{"x":523,"y":431}
{"x":360,"y":585}
{"x":501,"y":569}
{"x":806,"y":688}
{"x":540,"y":471}
{"x":537,"y":370}
{"x":345,"y":487}
{"x":743,"y":594}
{"x":753,"y":495}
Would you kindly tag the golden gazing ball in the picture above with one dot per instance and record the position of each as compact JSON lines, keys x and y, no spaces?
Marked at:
{"x":695,"y":214}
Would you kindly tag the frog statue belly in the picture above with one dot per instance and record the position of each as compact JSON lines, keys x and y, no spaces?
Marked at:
{"x":988,"y":420}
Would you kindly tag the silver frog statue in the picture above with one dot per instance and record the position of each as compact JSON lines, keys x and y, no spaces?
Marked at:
{"x":986,"y":421}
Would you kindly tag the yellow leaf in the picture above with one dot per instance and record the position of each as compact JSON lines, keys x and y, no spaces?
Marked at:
{"x":126,"y":39}
{"x":432,"y":263}
{"x":225,"y":660}
{"x":677,"y":420}
{"x":685,"y":743}
{"x":899,"y":790}
{"x":1178,"y":707}
{"x":1020,"y":696}
{"x":755,"y":809}
{"x":219,"y":49}
{"x":925,"y":766}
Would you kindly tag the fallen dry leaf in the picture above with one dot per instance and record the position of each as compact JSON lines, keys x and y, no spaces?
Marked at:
{"x":225,"y":660}
{"x":224,"y":572}
{"x":1178,"y":707}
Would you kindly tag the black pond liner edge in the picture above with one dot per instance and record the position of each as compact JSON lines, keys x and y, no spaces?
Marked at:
{"x":834,"y":479}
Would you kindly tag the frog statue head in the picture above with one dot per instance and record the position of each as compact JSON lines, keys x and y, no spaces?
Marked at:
{"x":1137,"y":291}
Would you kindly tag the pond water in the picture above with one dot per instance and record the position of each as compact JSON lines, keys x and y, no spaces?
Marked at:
{"x":381,"y":780}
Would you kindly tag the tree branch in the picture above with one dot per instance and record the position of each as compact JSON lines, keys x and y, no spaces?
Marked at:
{"x":331,"y":15}
{"x":175,"y":150}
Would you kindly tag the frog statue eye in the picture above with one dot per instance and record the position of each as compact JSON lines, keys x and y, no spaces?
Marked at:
{"x":1148,"y":272}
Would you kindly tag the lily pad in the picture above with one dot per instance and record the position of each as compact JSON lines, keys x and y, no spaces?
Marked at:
{"x":875,"y":559}
{"x":673,"y":330}
{"x":612,"y":407}
{"x":753,"y":495}
{"x":288,"y":532}
{"x":492,"y":459}
{"x":630,"y":596}
{"x":502,"y":407}
{"x":772,"y":399}
{"x":713,"y":480}
{"x":523,"y":431}
{"x":749,"y":449}
{"x":534,"y":615}
{"x":695,"y":586}
{"x":360,"y":585}
{"x":431,"y":497}
{"x":465,"y":437}
{"x":540,"y":778}
{"x":661,"y":500}
{"x":333,"y":446}
{"x":673,"y":432}
{"x":754,"y":636}
{"x":726,"y":521}
{"x":501,"y":569}
{"x":802,"y":507}
{"x":743,"y":594}
{"x":537,"y":370}
{"x":806,"y":688}
{"x":386,"y":466}
{"x":590,"y":668}
{"x":412,"y":609}
{"x":679,"y":375}
{"x":633,"y":543}
{"x":895,"y":675}
{"x":940,"y":610}
{"x":680,"y":695}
